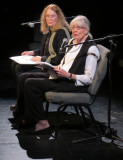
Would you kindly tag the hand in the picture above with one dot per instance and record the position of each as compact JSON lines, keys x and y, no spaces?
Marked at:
{"x":29,"y":53}
{"x":36,"y":58}
{"x":61,"y":72}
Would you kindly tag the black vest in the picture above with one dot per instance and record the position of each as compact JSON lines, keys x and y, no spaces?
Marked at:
{"x":78,"y":65}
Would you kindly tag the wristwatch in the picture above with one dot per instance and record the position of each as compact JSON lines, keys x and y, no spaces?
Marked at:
{"x":70,"y":77}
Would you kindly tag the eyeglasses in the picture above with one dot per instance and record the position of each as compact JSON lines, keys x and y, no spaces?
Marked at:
{"x":78,"y":28}
{"x":51,"y":16}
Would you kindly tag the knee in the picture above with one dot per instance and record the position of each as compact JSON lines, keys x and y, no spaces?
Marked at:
{"x":22,"y":77}
{"x":13,"y":66}
{"x":28,"y":84}
{"x":18,"y":71}
{"x":18,"y":68}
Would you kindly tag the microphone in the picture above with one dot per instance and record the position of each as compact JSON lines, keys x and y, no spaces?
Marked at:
{"x":65,"y":41}
{"x":30,"y":24}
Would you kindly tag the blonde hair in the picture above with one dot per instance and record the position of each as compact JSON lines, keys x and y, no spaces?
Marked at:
{"x":60,"y":23}
{"x":82,"y":21}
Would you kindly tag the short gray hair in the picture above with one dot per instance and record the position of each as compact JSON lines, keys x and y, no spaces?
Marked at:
{"x":81,"y":21}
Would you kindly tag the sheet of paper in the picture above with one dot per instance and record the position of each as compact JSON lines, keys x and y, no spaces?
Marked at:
{"x":49,"y":68}
{"x":24,"y":60}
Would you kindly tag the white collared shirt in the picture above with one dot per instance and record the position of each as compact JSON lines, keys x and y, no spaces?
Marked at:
{"x":90,"y":65}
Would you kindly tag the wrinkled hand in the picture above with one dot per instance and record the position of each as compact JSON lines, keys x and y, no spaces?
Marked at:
{"x":36,"y":58}
{"x":61,"y":72}
{"x":29,"y":53}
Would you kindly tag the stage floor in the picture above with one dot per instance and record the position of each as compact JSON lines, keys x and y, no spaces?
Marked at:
{"x":22,"y":144}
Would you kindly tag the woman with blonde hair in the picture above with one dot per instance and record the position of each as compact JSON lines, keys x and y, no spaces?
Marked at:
{"x":61,"y":20}
{"x":54,"y":28}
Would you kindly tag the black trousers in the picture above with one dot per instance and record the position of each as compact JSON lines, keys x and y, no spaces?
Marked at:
{"x":35,"y":89}
{"x":20,"y":74}
{"x":17,"y":70}
{"x":20,"y":105}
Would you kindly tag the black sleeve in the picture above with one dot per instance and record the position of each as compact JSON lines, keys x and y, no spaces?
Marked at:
{"x":40,"y":51}
{"x":37,"y":52}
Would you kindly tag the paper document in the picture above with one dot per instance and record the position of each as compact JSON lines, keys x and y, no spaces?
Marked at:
{"x":50,"y":68}
{"x":24,"y":60}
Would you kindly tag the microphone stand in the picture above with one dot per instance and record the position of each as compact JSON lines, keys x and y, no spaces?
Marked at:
{"x":110,"y":37}
{"x":109,"y":132}
{"x":32,"y":23}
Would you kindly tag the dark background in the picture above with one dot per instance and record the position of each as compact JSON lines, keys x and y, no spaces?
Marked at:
{"x":106,"y":18}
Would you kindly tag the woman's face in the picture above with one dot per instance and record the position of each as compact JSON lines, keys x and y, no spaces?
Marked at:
{"x":51,"y":17}
{"x":79,"y":33}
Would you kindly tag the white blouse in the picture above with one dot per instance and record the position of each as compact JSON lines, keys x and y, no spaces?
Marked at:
{"x":90,"y":65}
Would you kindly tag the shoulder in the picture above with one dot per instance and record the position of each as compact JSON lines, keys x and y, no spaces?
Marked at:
{"x":62,"y":30}
{"x":94,"y":50}
{"x":61,"y":33}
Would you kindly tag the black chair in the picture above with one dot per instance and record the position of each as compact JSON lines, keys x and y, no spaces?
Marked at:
{"x":80,"y":100}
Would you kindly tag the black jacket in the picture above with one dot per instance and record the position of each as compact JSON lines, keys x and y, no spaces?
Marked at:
{"x":57,"y":41}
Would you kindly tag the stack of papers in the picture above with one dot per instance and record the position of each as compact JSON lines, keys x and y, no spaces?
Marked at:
{"x":50,"y":69}
{"x":24,"y":60}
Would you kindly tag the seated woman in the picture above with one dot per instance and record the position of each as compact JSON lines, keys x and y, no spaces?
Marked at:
{"x":55,"y":29}
{"x":75,"y":73}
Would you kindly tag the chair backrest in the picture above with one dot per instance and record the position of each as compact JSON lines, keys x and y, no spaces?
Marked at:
{"x":100,"y":71}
